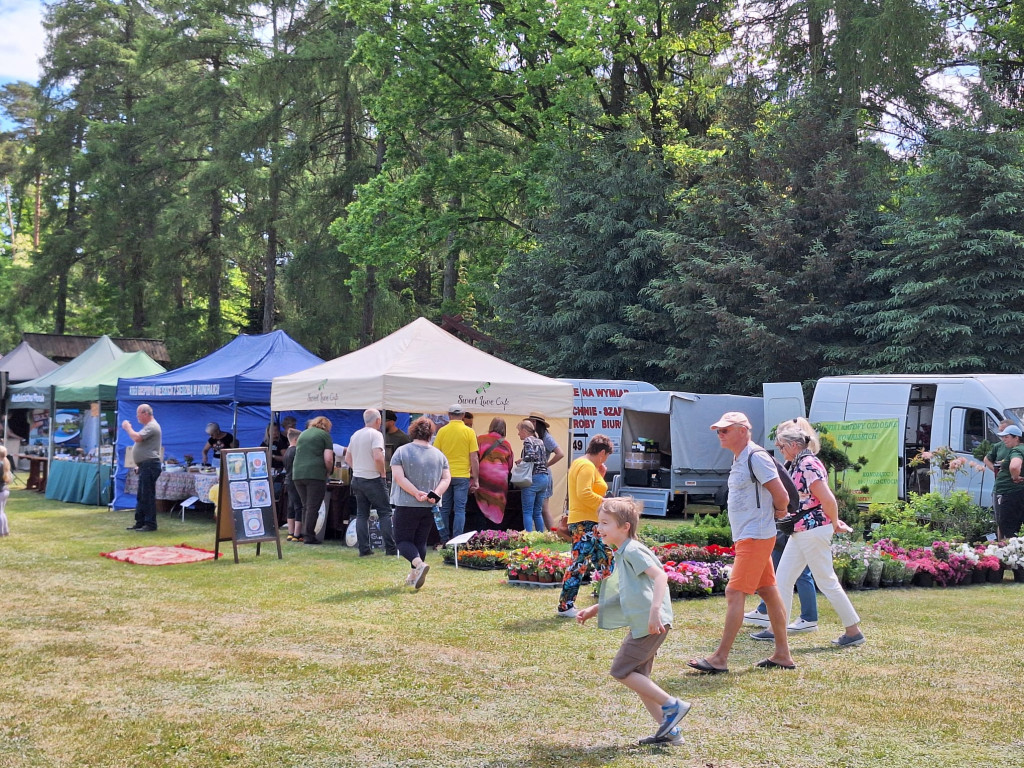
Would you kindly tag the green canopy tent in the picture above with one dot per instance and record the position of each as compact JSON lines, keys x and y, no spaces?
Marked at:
{"x":39,"y":392}
{"x":101,"y":386}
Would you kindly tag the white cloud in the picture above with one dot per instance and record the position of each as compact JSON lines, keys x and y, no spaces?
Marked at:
{"x":22,"y":41}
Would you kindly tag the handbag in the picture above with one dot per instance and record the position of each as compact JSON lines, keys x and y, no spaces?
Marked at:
{"x":786,"y":524}
{"x":522,"y":475}
{"x":561,"y":529}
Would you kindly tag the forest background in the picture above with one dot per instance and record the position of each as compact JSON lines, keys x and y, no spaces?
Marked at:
{"x":703,"y":195}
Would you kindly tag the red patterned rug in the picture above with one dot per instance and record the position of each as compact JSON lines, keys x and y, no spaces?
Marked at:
{"x":182,"y":553}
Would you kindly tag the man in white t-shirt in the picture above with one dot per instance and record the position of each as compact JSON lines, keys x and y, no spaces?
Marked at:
{"x":365,"y":455}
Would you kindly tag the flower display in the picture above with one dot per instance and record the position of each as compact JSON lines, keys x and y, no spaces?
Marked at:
{"x":538,"y":562}
{"x":1010,"y":552}
{"x":503,"y":540}
{"x":481,"y":559}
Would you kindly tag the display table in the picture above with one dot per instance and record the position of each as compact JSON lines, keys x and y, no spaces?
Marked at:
{"x":36,"y":472}
{"x":175,"y":486}
{"x":76,"y":482}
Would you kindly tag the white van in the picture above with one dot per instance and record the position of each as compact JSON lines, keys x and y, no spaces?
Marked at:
{"x":596,"y":410}
{"x":958,"y":411}
{"x":671,"y":454}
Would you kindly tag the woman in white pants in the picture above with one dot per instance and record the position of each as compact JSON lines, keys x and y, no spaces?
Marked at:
{"x":811,"y":541}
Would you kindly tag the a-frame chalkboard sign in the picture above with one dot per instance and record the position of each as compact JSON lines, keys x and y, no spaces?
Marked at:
{"x":246,"y":513}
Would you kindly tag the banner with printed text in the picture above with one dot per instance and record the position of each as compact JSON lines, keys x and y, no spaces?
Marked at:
{"x":877,"y":441}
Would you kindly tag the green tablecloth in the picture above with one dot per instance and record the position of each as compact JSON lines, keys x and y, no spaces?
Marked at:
{"x":75,"y":481}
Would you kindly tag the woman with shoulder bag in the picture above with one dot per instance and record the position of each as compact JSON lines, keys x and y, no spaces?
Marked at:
{"x":496,"y":459}
{"x":533,"y":495}
{"x":810,"y":544}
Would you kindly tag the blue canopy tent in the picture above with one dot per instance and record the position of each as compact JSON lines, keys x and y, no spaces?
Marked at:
{"x":230,"y":386}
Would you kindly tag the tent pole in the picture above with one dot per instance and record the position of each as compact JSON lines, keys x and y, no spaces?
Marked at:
{"x":234,"y":421}
{"x":53,"y":405}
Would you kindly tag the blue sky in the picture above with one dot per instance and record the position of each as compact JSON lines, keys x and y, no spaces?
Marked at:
{"x":21,"y":39}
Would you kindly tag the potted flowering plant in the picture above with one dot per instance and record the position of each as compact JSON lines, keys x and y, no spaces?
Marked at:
{"x":689,"y":579}
{"x":1011,"y":555}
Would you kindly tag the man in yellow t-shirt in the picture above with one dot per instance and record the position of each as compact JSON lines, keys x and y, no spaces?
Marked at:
{"x":458,"y":443}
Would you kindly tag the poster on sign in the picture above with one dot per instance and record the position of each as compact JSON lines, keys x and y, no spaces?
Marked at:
{"x":246,"y":512}
{"x":596,"y":411}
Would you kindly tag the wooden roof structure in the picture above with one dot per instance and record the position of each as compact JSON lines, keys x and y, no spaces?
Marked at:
{"x":62,"y":348}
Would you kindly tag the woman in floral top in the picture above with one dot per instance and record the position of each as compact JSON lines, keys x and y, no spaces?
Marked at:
{"x":811,"y":541}
{"x":533,"y":495}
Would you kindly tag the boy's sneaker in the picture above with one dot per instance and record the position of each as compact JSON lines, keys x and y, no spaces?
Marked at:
{"x":568,"y":613}
{"x":672,"y":713}
{"x":756,"y":618}
{"x":673,"y":738}
{"x":764,"y":634}
{"x":411,"y":578}
{"x":802,"y":626}
{"x":845,"y":641}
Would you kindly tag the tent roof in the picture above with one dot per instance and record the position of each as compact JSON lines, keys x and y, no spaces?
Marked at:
{"x":64,"y":347}
{"x":36,"y":393}
{"x":421,"y":368}
{"x":24,"y":363}
{"x":102,"y":384}
{"x":240,"y":371}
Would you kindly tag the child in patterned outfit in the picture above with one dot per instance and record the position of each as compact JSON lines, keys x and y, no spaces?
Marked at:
{"x":636,"y":596}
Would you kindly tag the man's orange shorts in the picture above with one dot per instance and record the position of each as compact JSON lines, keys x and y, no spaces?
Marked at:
{"x":753,"y":568}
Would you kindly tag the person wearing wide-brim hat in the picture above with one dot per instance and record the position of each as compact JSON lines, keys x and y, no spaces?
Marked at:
{"x":555,"y":455}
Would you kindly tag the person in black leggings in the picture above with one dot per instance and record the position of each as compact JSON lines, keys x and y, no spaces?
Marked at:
{"x":420,"y":475}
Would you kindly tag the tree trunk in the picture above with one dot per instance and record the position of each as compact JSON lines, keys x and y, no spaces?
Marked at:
{"x":367,"y":321}
{"x":10,"y":215}
{"x":270,"y":262}
{"x":453,"y":248}
{"x":214,"y":267}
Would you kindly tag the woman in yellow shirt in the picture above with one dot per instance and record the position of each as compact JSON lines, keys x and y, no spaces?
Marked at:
{"x":586,"y":491}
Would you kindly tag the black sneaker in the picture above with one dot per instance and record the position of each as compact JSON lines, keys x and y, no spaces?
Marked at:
{"x":146,"y":529}
{"x":673,"y":738}
{"x":135,"y":527}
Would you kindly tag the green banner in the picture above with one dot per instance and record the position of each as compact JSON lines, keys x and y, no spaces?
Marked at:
{"x":877,"y":441}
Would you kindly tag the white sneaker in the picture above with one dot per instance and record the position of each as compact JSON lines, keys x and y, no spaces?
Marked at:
{"x":756,"y":618}
{"x":421,"y":574}
{"x":802,"y":626}
{"x":568,"y":613}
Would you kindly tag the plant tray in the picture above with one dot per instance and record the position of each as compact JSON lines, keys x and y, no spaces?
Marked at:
{"x":532,"y":584}
{"x":478,"y":567}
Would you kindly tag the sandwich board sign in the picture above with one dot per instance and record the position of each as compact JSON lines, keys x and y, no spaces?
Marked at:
{"x":246,"y":512}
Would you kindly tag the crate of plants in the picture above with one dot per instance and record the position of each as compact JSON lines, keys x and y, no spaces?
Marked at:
{"x":537,"y":567}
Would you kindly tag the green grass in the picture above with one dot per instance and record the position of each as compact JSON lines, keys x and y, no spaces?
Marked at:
{"x":322,"y":659}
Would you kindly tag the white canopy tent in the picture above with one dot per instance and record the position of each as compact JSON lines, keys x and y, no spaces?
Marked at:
{"x":423,"y":369}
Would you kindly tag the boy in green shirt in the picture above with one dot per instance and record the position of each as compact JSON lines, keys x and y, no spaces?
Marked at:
{"x":636,"y":596}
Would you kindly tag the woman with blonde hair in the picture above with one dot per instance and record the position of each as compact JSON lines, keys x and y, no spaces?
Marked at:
{"x":810,"y":544}
{"x":5,"y":479}
{"x":313,"y":464}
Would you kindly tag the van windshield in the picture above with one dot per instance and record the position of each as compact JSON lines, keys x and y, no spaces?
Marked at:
{"x":1018,"y":413}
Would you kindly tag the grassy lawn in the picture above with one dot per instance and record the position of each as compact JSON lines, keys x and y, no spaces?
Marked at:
{"x":323,"y":659}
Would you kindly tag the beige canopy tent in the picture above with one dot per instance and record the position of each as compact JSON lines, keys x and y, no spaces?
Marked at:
{"x":423,"y":369}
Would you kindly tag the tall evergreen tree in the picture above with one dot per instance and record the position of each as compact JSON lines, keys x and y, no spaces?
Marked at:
{"x":762,"y":264}
{"x":952,"y":264}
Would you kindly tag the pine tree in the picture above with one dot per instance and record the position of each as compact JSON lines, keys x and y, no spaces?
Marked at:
{"x":952,"y":265}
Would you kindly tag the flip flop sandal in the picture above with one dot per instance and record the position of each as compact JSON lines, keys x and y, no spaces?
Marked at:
{"x":702,"y":665}
{"x":769,"y":664}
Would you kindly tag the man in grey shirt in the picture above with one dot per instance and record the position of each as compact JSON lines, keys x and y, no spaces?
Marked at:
{"x":754,"y":504}
{"x":146,"y":454}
